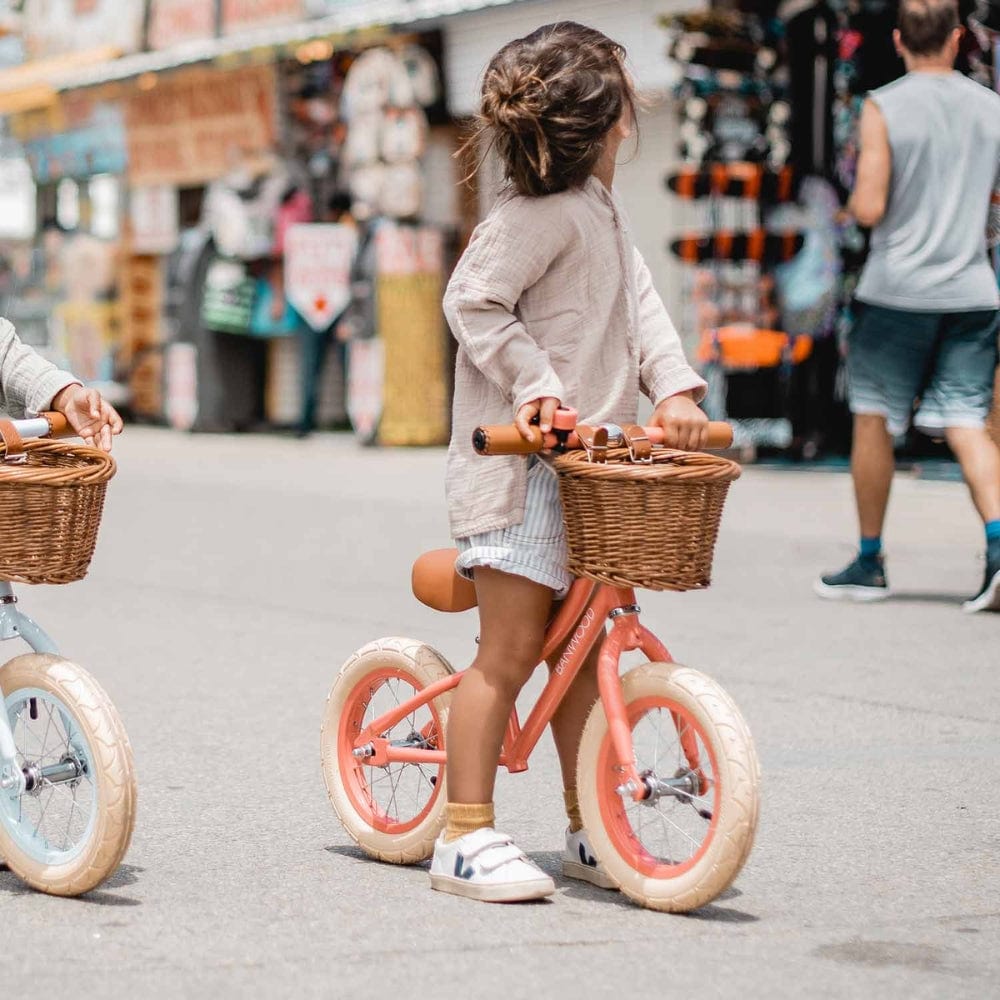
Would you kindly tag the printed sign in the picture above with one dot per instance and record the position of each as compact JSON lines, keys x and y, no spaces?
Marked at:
{"x":195,"y":125}
{"x":239,"y":15}
{"x":55,"y":27}
{"x":365,"y":384}
{"x":318,"y":258}
{"x":154,"y":214}
{"x":174,"y":21}
{"x":409,"y":250}
{"x":90,"y":141}
{"x":182,"y":385}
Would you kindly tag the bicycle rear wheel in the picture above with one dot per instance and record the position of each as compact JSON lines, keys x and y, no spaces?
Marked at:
{"x":394,"y":813}
{"x":69,"y":830}
{"x":682,"y":846}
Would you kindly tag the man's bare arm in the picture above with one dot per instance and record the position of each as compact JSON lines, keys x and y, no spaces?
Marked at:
{"x":871,"y":186}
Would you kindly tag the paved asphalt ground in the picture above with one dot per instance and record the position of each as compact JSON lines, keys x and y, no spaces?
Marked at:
{"x":234,"y":575}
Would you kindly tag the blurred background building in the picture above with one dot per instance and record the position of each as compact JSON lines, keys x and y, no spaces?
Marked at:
{"x":162,"y":162}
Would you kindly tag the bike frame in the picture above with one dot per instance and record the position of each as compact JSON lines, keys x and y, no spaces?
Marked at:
{"x":577,"y":627}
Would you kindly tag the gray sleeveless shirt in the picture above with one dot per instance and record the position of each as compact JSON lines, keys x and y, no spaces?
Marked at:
{"x":929,"y":251}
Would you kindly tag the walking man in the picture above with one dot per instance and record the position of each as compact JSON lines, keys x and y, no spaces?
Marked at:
{"x":927,"y":299}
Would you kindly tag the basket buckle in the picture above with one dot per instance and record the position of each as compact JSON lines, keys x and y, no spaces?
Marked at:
{"x":14,"y":453}
{"x":639,"y":448}
{"x":595,"y":442}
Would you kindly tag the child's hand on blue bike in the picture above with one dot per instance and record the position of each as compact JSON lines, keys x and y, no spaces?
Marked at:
{"x":543,"y":408}
{"x":89,"y":414}
{"x":684,"y":423}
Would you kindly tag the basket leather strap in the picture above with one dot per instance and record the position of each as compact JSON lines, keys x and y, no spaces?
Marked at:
{"x":594,"y":441}
{"x":639,"y":447}
{"x":13,"y":445}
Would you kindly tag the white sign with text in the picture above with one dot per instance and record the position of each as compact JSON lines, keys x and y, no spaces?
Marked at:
{"x":318,"y":259}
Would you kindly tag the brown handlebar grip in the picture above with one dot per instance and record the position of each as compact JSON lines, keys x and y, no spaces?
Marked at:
{"x":58,"y":425}
{"x":720,"y":435}
{"x":505,"y":439}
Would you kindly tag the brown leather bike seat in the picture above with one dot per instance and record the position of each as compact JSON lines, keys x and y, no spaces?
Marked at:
{"x":436,"y":584}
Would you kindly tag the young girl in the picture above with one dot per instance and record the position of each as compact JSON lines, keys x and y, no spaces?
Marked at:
{"x":551,"y":303}
{"x":30,"y":383}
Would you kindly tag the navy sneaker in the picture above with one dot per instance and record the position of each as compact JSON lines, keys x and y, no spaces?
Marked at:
{"x":863,"y":580}
{"x":988,"y":599}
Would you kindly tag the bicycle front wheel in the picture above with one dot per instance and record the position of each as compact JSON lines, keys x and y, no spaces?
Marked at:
{"x":394,"y":813}
{"x":683,"y":845}
{"x":70,"y":828}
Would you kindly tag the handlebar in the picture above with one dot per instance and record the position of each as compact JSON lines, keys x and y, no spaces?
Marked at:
{"x":45,"y":425}
{"x":506,"y":439}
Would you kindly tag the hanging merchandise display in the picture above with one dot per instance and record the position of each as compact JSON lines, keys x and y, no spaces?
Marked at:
{"x":359,"y":127}
{"x":384,"y":100}
{"x":769,"y":102}
{"x":735,"y":145}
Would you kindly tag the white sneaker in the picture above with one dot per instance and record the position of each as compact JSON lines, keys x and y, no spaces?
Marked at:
{"x":579,"y":862}
{"x":486,"y":865}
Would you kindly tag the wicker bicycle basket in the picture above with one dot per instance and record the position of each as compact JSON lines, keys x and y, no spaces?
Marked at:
{"x":651,"y":525}
{"x":50,"y":510}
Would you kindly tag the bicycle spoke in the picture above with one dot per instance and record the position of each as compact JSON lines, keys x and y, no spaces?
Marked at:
{"x":52,"y":818}
{"x":676,"y":833}
{"x":401,"y":790}
{"x":45,"y":738}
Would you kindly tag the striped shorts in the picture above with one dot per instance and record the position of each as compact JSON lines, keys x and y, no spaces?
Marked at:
{"x":536,"y":548}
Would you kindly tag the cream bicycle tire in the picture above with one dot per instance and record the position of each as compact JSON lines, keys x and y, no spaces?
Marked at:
{"x":114,"y":783}
{"x":351,"y":793}
{"x":735,"y":777}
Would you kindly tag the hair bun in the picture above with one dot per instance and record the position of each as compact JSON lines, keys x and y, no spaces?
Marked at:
{"x":549,"y":101}
{"x":513,"y":99}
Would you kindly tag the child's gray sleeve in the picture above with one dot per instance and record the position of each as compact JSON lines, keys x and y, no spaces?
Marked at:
{"x":28,"y":382}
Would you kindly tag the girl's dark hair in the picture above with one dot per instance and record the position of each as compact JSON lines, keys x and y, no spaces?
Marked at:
{"x":548,"y":101}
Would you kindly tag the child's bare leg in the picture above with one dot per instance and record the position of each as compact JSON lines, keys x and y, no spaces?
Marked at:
{"x":513,"y":612}
{"x":572,"y":714}
{"x":567,"y":728}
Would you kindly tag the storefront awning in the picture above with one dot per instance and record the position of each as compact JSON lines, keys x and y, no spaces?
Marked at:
{"x":34,"y":84}
{"x":85,"y":70}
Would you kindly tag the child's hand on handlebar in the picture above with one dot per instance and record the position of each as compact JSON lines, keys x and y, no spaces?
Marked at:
{"x":543,"y":408}
{"x":684,"y":423}
{"x":89,"y":414}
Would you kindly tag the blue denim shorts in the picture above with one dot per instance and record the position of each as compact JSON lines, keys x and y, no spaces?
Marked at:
{"x":535,"y":548}
{"x":945,"y":360}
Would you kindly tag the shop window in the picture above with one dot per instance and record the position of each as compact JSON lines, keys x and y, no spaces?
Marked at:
{"x":68,"y":204}
{"x":105,"y":205}
{"x":17,"y":200}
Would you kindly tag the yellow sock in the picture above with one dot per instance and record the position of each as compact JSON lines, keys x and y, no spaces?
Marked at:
{"x":467,"y":817}
{"x":573,"y":810}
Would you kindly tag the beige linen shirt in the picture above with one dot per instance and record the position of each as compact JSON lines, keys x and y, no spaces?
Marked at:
{"x":550,"y":298}
{"x":27,"y":382}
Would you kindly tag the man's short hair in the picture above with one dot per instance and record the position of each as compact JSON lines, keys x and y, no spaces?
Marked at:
{"x":925,"y":25}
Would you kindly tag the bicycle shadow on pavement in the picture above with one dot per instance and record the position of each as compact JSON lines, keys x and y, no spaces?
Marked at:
{"x":551,"y":863}
{"x":125,"y":875}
